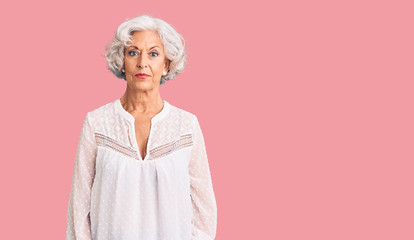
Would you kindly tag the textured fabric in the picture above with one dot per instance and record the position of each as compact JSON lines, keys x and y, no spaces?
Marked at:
{"x":117,"y":195}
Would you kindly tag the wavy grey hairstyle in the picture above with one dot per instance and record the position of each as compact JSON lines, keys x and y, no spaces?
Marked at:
{"x":173,"y":45}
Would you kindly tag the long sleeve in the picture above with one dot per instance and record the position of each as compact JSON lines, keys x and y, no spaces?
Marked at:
{"x":78,"y":226}
{"x":204,"y":221}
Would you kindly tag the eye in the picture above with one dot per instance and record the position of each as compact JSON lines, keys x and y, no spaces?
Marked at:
{"x":131,"y":52}
{"x":155,"y":53}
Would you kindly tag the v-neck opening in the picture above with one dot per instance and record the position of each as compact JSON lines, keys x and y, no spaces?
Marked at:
{"x":131,"y":120}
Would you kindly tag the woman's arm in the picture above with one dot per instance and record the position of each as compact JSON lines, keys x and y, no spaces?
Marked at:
{"x":78,"y":226}
{"x":204,"y":220}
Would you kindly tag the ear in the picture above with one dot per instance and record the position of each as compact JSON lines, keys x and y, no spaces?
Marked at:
{"x":167,"y":65}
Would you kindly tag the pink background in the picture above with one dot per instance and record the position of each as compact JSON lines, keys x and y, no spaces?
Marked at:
{"x":306,"y":108}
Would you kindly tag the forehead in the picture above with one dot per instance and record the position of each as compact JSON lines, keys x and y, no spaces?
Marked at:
{"x":146,"y":38}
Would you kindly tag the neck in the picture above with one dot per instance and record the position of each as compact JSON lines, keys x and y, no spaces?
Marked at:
{"x":142,"y":102}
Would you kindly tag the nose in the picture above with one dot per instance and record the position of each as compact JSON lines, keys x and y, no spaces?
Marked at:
{"x":142,"y":61}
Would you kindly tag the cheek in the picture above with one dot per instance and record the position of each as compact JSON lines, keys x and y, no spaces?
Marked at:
{"x":127,"y":63}
{"x":160,"y":67}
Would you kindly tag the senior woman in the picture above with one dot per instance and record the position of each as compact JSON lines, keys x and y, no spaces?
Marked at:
{"x":141,"y":170}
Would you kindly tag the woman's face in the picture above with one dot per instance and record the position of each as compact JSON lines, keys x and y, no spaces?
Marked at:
{"x":145,"y":55}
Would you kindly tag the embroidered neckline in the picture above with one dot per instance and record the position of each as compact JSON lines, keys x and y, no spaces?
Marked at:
{"x":105,"y":141}
{"x":157,"y":152}
{"x":165,"y":149}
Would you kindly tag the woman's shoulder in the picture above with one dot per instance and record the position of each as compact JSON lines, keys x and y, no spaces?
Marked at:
{"x":184,"y":114}
{"x":102,"y":110}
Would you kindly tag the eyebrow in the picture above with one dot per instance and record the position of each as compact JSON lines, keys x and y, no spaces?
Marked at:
{"x":149,"y":49}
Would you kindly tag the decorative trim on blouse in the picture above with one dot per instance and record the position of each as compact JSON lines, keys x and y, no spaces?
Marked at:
{"x":105,"y":141}
{"x":160,"y":151}
{"x":165,"y":149}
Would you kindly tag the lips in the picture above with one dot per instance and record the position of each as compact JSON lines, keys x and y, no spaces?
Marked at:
{"x":142,"y":75}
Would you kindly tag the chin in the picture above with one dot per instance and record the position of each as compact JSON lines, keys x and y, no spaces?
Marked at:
{"x":144,"y":84}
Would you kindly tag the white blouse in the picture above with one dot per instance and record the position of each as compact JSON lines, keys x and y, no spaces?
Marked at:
{"x":117,"y":195}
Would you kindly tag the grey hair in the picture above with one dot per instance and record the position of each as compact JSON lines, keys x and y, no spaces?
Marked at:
{"x":173,"y":45}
